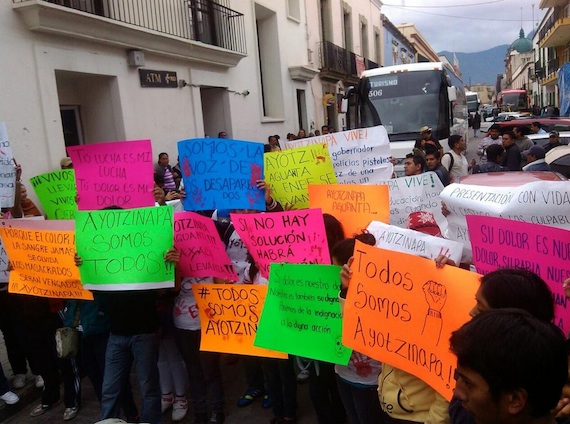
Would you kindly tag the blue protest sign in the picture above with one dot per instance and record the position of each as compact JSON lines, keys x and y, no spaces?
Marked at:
{"x":221,"y":174}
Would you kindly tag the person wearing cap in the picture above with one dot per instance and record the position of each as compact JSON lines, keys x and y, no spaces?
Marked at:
{"x":494,"y":137}
{"x":535,"y":156}
{"x":553,"y":141}
{"x":65,"y":163}
{"x":426,"y":137}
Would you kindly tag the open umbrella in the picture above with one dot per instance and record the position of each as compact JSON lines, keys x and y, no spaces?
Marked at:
{"x":559,"y":160}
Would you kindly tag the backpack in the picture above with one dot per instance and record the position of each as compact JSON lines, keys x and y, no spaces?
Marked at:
{"x":451,"y":162}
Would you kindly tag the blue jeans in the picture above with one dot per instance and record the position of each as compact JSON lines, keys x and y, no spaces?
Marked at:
{"x":142,"y":349}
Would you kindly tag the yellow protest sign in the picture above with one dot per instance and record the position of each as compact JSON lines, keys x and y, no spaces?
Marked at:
{"x":290,"y":172}
{"x":400,"y":309}
{"x":42,"y":262}
{"x":229,"y":315}
{"x":354,"y":205}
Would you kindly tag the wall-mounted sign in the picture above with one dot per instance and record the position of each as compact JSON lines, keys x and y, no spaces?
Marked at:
{"x":150,"y":78}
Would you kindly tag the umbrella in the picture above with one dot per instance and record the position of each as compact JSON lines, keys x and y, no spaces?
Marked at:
{"x":559,"y":160}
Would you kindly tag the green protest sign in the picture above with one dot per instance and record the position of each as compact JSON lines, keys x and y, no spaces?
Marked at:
{"x":302,"y":314}
{"x":123,"y":249}
{"x":56,"y":191}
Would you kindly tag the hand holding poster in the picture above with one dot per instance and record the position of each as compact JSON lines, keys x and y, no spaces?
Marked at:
{"x":291,"y":236}
{"x":503,"y":243}
{"x":290,"y":172}
{"x":302,"y":314}
{"x":414,"y":242}
{"x":354,"y":205}
{"x":359,"y":156}
{"x":42,"y":257}
{"x":113,"y":174}
{"x":124,"y":249}
{"x":229,"y":316}
{"x":7,"y":170}
{"x":401,"y":309}
{"x":56,"y":191}
{"x":202,"y":253}
{"x":221,"y":174}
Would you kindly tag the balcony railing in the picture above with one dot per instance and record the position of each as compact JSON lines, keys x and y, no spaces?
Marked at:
{"x":552,"y":66}
{"x":206,"y":21}
{"x":559,"y":13}
{"x":340,"y":62}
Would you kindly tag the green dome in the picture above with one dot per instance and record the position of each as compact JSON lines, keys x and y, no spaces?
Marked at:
{"x":522,"y":44}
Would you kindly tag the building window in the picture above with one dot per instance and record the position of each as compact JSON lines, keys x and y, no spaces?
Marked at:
{"x":347,"y":26}
{"x":294,"y":9}
{"x":364,"y":49}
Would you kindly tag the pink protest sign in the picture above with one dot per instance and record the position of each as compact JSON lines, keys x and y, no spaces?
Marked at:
{"x":113,"y":174}
{"x":296,"y":237}
{"x":202,"y":253}
{"x":504,"y":243}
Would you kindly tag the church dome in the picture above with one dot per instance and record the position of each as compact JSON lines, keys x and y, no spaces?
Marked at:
{"x":522,"y":44}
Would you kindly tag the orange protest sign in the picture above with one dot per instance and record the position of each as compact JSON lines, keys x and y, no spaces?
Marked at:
{"x":354,"y":205}
{"x":229,"y":314}
{"x":400,"y":309}
{"x":43,"y":263}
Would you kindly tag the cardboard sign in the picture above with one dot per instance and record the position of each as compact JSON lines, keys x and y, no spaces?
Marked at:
{"x":202,"y":253}
{"x":124,"y":249}
{"x":290,"y":172}
{"x":415,"y":193}
{"x":229,"y":316}
{"x":113,"y":174}
{"x":7,"y":170}
{"x":353,"y":205}
{"x":414,"y":242}
{"x":221,"y":174}
{"x":291,"y":236}
{"x":503,"y":243}
{"x":42,"y":258}
{"x":302,"y":314}
{"x":543,"y":202}
{"x":360,"y":156}
{"x":56,"y":191}
{"x":401,"y":310}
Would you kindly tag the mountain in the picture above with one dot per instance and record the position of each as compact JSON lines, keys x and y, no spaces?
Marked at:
{"x":481,"y":67}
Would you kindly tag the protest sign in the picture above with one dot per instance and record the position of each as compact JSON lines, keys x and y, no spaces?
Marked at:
{"x":302,"y":314}
{"x":290,"y":236}
{"x":354,"y":205}
{"x":504,"y":243}
{"x":229,"y":316}
{"x":124,"y":249}
{"x":202,"y":253}
{"x":113,"y":174}
{"x":400,"y":309}
{"x":414,"y":242}
{"x":7,"y":170}
{"x":541,"y":202}
{"x":221,"y":174}
{"x":56,"y":191}
{"x":42,"y":257}
{"x":290,"y":172}
{"x":359,"y":156}
{"x":415,"y":193}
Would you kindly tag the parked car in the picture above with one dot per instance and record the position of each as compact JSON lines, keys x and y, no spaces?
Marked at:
{"x":548,"y":124}
{"x":511,"y":178}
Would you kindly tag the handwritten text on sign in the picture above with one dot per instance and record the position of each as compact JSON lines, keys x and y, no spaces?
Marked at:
{"x":354,"y":205}
{"x":292,"y":236}
{"x":113,"y":174}
{"x":202,"y":253}
{"x":503,"y":243}
{"x":290,"y":172}
{"x":359,"y":156}
{"x":7,"y":170}
{"x":221,"y":174}
{"x":401,"y":309}
{"x":56,"y":191}
{"x":43,"y":261}
{"x":124,"y":249}
{"x":229,"y":315}
{"x":302,"y":314}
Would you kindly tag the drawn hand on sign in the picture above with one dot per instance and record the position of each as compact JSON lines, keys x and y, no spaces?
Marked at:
{"x":435,"y":296}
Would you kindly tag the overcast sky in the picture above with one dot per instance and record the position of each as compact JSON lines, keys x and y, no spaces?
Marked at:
{"x":465,"y":25}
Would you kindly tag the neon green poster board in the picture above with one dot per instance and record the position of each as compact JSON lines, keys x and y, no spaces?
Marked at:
{"x":123,"y":249}
{"x":56,"y":191}
{"x":302,"y":315}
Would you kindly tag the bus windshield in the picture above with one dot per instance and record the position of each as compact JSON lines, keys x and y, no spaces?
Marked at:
{"x":472,"y":102}
{"x":515,"y":101}
{"x":407,"y":101}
